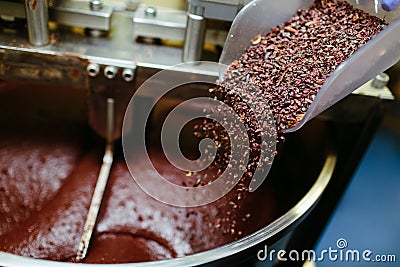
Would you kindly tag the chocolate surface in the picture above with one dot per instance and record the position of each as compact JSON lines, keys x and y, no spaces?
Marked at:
{"x":132,"y":226}
{"x":49,"y":162}
{"x":48,"y":169}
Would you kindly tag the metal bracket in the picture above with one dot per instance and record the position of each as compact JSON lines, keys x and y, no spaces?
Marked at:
{"x":66,"y":12}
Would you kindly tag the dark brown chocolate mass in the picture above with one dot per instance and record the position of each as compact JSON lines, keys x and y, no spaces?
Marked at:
{"x":49,"y":160}
{"x":131,"y":227}
{"x":48,"y":169}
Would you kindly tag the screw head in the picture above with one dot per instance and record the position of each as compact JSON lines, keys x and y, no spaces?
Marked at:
{"x":380,"y":81}
{"x":150,"y":11}
{"x":110,"y":72}
{"x":96,"y":5}
{"x":93,"y":69}
{"x":128,"y":75}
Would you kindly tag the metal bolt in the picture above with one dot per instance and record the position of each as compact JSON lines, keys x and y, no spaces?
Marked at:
{"x":93,"y":69}
{"x":128,"y":75}
{"x":110,"y":72}
{"x":380,"y":81}
{"x":150,"y":11}
{"x":96,"y":5}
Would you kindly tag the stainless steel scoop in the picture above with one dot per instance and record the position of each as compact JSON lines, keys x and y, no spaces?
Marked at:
{"x":383,"y":51}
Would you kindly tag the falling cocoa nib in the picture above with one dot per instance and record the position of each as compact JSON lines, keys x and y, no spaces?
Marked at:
{"x":284,"y":70}
{"x":291,"y":63}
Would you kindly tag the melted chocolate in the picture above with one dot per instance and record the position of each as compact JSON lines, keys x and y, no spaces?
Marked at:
{"x":48,"y":170}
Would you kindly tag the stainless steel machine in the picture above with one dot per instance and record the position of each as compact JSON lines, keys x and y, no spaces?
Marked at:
{"x":108,"y":49}
{"x":88,"y":44}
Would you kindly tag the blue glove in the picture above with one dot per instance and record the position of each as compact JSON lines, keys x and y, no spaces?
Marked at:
{"x":390,"y":5}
